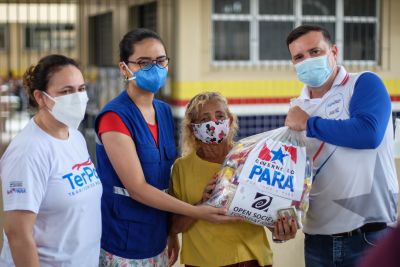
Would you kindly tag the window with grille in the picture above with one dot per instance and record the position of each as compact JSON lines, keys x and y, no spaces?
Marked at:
{"x":3,"y":36}
{"x":254,"y":31}
{"x":143,"y":16}
{"x":100,"y":40}
{"x":50,"y":36}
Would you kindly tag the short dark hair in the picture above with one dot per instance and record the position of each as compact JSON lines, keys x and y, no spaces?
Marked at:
{"x":37,"y":77}
{"x":126,"y":45}
{"x":304,"y":29}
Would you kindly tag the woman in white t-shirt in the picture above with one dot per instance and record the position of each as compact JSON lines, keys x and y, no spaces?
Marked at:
{"x":51,"y":190}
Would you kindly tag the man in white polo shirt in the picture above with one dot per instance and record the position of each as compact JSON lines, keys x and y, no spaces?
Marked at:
{"x":348,"y":122}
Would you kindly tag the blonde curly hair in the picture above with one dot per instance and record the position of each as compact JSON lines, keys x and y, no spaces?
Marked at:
{"x":188,"y":141}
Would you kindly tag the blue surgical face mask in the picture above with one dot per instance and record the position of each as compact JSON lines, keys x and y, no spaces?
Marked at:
{"x":314,"y":72}
{"x":150,"y":80}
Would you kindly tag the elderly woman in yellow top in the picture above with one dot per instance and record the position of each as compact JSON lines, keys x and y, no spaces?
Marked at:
{"x":207,"y":136}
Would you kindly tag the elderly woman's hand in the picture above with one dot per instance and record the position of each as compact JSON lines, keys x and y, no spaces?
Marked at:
{"x":285,"y":228}
{"x":209,"y":188}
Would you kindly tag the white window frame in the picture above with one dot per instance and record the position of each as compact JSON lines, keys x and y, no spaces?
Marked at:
{"x":297,"y":18}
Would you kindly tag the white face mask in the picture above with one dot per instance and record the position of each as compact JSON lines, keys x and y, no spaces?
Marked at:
{"x":211,"y":132}
{"x":69,"y":109}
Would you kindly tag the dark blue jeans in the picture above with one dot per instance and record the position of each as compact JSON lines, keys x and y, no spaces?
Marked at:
{"x":328,"y":251}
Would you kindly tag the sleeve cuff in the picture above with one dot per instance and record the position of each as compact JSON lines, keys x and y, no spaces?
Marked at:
{"x":310,"y":126}
{"x":13,"y":207}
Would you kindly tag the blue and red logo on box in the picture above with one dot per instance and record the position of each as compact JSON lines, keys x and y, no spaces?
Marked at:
{"x":265,"y":153}
{"x":271,"y":167}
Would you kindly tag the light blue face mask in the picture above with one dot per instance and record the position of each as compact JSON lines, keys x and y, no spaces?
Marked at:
{"x":314,"y":72}
{"x":150,"y":80}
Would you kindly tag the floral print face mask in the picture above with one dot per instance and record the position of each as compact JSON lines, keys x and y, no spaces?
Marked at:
{"x":211,"y":132}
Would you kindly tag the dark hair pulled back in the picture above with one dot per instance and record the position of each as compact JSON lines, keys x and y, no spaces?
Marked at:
{"x":37,"y":77}
{"x":126,"y":45}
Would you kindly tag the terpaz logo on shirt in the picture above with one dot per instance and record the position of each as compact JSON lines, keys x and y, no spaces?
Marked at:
{"x":82,"y":177}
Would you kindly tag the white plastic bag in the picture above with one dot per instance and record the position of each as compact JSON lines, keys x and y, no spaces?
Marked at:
{"x":263,"y":174}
